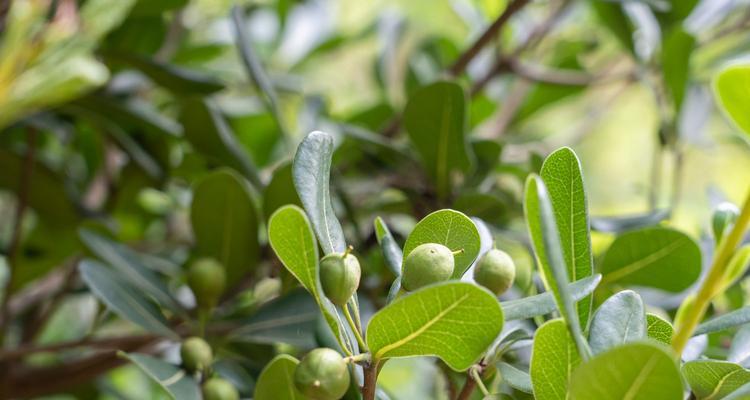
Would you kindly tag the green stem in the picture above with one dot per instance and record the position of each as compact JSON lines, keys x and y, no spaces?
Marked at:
{"x":713,"y":282}
{"x":475,"y":375}
{"x":357,"y":334}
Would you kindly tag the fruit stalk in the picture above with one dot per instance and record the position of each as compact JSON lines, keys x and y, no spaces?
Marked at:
{"x":712,"y":284}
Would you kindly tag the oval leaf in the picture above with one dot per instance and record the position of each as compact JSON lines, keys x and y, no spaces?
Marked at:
{"x":453,"y":230}
{"x":732,"y":87}
{"x":541,"y":304}
{"x":553,"y":359}
{"x":712,"y":379}
{"x":728,"y":320}
{"x":311,"y":170}
{"x":656,"y":257}
{"x":276,"y":381}
{"x":174,"y":380}
{"x":659,"y":329}
{"x":225,"y":222}
{"x":514,"y":377}
{"x":455,"y":321}
{"x":620,"y":319}
{"x":637,"y":371}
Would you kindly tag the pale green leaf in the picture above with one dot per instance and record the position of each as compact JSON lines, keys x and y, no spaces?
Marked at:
{"x":728,"y":320}
{"x":391,"y":251}
{"x":562,"y":174}
{"x":659,"y":329}
{"x":174,"y":380}
{"x":435,"y":118}
{"x":514,"y":377}
{"x":677,"y":47}
{"x":311,"y":171}
{"x":656,"y":257}
{"x":623,"y":223}
{"x":276,"y":381}
{"x":620,"y":319}
{"x":225,"y":222}
{"x":732,"y":87}
{"x":553,"y":359}
{"x":541,"y":304}
{"x":635,"y":371}
{"x":453,"y":230}
{"x":455,"y":321}
{"x":713,"y":379}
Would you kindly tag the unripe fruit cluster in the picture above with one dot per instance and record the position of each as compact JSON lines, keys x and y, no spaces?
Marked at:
{"x":322,"y":375}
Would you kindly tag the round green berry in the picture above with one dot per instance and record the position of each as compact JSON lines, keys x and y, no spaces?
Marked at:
{"x":322,"y":375}
{"x":196,"y":354}
{"x":428,"y":263}
{"x":207,"y":279}
{"x":495,"y":271}
{"x":219,"y":389}
{"x":339,"y":276}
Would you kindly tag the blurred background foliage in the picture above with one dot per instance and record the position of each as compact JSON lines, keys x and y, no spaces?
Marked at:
{"x":169,"y":126}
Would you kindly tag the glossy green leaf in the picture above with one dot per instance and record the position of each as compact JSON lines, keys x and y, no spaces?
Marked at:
{"x":553,"y":359}
{"x":732,"y":87}
{"x":225,"y":223}
{"x":311,"y":172}
{"x":289,"y":319}
{"x":656,"y":257}
{"x":391,"y":251}
{"x":540,"y":220}
{"x":514,"y":377}
{"x":659,"y":329}
{"x":636,"y":371}
{"x":128,"y":265}
{"x":563,"y":176}
{"x":180,"y":80}
{"x":276,"y":381}
{"x":174,"y":380}
{"x":455,"y":321}
{"x":677,"y":47}
{"x":124,"y":299}
{"x":713,"y":379}
{"x":210,"y":135}
{"x":620,"y":319}
{"x":453,"y":230}
{"x":724,"y":321}
{"x":542,"y":304}
{"x":435,"y":118}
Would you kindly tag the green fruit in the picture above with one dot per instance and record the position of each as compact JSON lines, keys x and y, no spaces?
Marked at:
{"x":207,"y":279}
{"x":495,"y":271}
{"x":428,"y":263}
{"x":196,"y":354}
{"x":339,"y":277}
{"x":219,"y":389}
{"x":322,"y":375}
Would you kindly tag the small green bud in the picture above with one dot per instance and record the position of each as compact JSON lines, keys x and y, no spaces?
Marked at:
{"x":428,"y":263}
{"x":206,"y":278}
{"x":196,"y":354}
{"x":724,"y":216}
{"x":322,"y":375}
{"x":339,"y":276}
{"x":495,"y":271}
{"x":219,"y":389}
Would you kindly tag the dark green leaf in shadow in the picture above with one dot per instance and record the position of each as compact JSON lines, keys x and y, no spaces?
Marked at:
{"x":391,"y":251}
{"x":677,"y":47}
{"x":174,"y":380}
{"x":280,"y":190}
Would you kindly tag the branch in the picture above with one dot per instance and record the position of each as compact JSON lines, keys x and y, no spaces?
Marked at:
{"x":370,"y":383}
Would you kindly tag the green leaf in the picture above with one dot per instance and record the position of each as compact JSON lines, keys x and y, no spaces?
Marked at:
{"x":128,"y":265}
{"x":728,"y":320}
{"x":637,"y":371}
{"x":514,"y":377}
{"x":620,"y":319}
{"x":174,"y":380}
{"x":453,"y":230}
{"x":738,"y":265}
{"x":276,"y":381}
{"x":613,"y":18}
{"x":742,"y":393}
{"x":553,"y":359}
{"x":541,"y":304}
{"x":289,"y":319}
{"x":677,"y":47}
{"x":124,"y":299}
{"x":391,"y":251}
{"x":225,"y":222}
{"x":739,"y":350}
{"x":280,"y":190}
{"x":563,"y":176}
{"x":656,"y":257}
{"x":625,"y":223}
{"x":138,"y":116}
{"x":435,"y":118}
{"x":210,"y":135}
{"x":291,"y":238}
{"x":540,"y":219}
{"x":712,"y":379}
{"x":732,"y":87}
{"x":455,"y":321}
{"x":659,"y":329}
{"x":311,"y":171}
